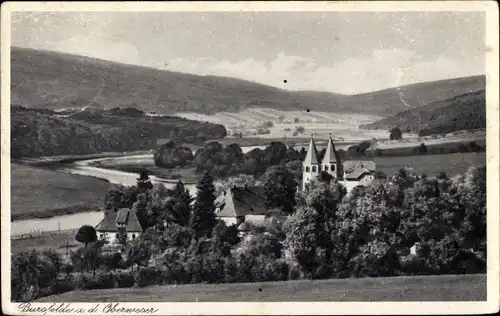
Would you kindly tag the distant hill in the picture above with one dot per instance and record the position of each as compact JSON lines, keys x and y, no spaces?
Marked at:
{"x":463,"y":112}
{"x":45,"y":79}
{"x":42,"y":132}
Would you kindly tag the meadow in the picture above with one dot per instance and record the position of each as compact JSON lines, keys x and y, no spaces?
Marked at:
{"x":431,"y":165}
{"x":57,"y":241}
{"x":420,"y":288}
{"x":41,"y":193}
{"x":452,"y":164}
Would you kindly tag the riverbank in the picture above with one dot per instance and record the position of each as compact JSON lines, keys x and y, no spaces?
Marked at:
{"x":52,"y":160}
{"x":188,"y":175}
{"x":70,"y":210}
{"x":38,"y":193}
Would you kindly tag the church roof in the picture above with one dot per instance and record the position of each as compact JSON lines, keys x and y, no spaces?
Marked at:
{"x":331,"y":155}
{"x":312,"y":154}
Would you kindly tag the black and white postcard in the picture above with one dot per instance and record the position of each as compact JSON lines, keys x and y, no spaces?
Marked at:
{"x":258,"y":158}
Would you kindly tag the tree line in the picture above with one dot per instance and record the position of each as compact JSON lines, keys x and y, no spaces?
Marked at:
{"x":327,"y":234}
{"x":42,"y":132}
{"x":222,"y":161}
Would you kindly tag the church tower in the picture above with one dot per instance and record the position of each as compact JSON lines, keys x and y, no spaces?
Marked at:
{"x":311,"y":165}
{"x":331,"y":161}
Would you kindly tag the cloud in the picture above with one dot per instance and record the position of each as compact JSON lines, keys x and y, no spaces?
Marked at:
{"x":117,"y":51}
{"x":383,"y":69}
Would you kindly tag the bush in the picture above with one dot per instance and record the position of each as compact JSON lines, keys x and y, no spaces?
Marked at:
{"x":414,"y":265}
{"x":294,"y":273}
{"x":63,"y":286}
{"x":102,"y":280}
{"x":261,"y":131}
{"x":276,"y":270}
{"x":396,"y":134}
{"x":111,"y":261}
{"x":147,"y":276}
{"x":268,"y":124}
{"x":300,"y":129}
{"x":124,"y":279}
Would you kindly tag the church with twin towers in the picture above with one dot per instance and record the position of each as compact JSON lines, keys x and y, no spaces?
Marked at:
{"x":350,"y":173}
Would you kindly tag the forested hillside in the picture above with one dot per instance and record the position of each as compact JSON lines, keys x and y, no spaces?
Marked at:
{"x":42,"y":132}
{"x":44,"y":79}
{"x":463,"y":112}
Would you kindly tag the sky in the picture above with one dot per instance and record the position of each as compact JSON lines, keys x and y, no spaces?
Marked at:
{"x":341,"y":52}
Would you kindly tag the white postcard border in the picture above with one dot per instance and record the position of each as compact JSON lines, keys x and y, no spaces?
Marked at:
{"x":277,"y":308}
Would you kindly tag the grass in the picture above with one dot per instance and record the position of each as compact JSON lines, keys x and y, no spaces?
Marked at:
{"x":422,"y":288}
{"x":53,"y":240}
{"x":452,"y":164}
{"x":42,"y":193}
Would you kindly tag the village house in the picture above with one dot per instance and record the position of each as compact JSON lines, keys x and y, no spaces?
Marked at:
{"x":114,"y":220}
{"x":239,"y":205}
{"x":358,"y":173}
{"x":350,"y":173}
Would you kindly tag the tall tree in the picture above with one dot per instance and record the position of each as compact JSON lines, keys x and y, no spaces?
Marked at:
{"x":143,"y":209}
{"x":280,"y":188}
{"x":143,"y":182}
{"x":202,"y":219}
{"x":396,"y":134}
{"x":179,"y":205}
{"x":86,"y":234}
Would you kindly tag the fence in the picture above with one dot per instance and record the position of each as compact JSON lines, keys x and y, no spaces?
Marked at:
{"x":41,"y":233}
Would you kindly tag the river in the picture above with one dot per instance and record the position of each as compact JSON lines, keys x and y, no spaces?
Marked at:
{"x":83,"y":167}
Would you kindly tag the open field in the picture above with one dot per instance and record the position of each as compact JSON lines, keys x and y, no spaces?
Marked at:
{"x":321,"y":124}
{"x":452,"y":164}
{"x":451,"y":139}
{"x":50,"y":240}
{"x":424,"y":288}
{"x":41,"y":193}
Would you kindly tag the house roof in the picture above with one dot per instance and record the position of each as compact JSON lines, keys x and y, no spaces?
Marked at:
{"x":241,"y":201}
{"x":356,"y":174}
{"x":124,"y":215}
{"x":351,"y":165}
{"x":312,"y":154}
{"x":331,"y":155}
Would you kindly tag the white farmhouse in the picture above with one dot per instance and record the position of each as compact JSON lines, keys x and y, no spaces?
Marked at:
{"x":113,"y":220}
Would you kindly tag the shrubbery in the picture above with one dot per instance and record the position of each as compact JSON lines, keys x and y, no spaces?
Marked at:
{"x":101,"y":280}
{"x":147,"y":276}
{"x":367,"y":233}
{"x":124,"y":279}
